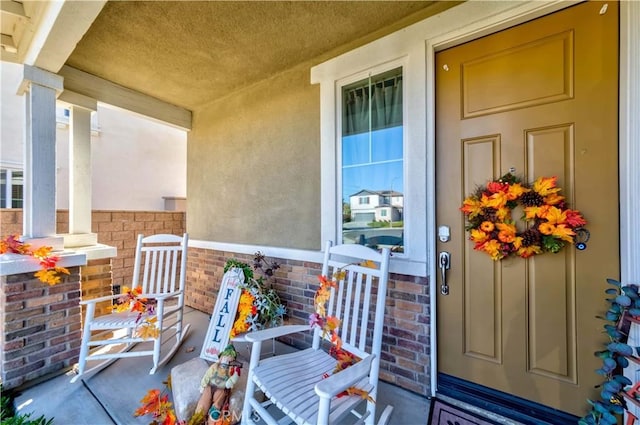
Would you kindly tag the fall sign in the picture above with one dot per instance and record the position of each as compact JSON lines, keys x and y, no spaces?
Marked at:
{"x":224,"y":314}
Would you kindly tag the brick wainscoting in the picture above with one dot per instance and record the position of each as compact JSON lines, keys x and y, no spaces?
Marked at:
{"x":405,"y":347}
{"x":42,"y":328}
{"x":42,"y":324}
{"x":114,"y":228}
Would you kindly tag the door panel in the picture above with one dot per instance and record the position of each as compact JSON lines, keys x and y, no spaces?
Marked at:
{"x":540,"y":99}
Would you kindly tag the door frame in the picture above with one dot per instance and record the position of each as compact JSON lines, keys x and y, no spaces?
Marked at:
{"x":488,"y":19}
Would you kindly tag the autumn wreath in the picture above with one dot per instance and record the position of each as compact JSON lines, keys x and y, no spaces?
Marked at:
{"x":549,"y":223}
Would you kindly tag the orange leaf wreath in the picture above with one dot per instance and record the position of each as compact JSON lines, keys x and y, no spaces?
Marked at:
{"x":549,"y":223}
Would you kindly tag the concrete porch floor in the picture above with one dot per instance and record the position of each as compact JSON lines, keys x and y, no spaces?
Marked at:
{"x":113,"y":394}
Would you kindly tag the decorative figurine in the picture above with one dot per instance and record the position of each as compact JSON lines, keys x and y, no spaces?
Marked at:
{"x":216,"y":385}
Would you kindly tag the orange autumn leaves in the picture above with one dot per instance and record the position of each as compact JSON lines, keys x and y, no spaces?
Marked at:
{"x":131,"y":300}
{"x":157,"y":404}
{"x":549,"y":223}
{"x":246,"y":309}
{"x":50,"y":272}
{"x":330,"y":324}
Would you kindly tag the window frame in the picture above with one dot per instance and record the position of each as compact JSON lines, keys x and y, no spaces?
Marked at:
{"x":351,"y":67}
{"x":9,"y":175}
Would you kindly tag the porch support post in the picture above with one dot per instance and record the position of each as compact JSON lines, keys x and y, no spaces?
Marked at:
{"x":40,"y":87}
{"x":80,"y":108}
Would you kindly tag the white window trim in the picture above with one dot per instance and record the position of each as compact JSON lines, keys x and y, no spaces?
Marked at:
{"x":354,"y":66}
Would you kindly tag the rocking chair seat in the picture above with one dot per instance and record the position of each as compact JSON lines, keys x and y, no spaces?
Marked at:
{"x":123,"y":320}
{"x":290,"y":381}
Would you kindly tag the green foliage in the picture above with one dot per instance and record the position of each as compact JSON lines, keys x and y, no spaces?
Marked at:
{"x":383,"y":224}
{"x":623,"y":301}
{"x":246,"y":269}
{"x":9,"y":416}
{"x":269,"y":309}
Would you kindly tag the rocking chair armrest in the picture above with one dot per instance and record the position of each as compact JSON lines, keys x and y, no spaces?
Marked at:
{"x":339,"y":382}
{"x":100,"y":299}
{"x":116,"y":296}
{"x":270,"y":333}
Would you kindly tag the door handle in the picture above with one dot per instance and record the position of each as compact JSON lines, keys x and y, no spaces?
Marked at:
{"x":444,"y":260}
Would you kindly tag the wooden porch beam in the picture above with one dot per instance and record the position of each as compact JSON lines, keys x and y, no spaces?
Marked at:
{"x":122,"y":97}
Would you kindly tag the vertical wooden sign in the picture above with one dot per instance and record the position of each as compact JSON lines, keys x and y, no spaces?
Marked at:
{"x":224,"y":314}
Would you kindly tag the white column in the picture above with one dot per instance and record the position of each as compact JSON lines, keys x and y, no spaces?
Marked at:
{"x":629,"y":141}
{"x":80,"y":108}
{"x":39,"y":210}
{"x":79,"y":170}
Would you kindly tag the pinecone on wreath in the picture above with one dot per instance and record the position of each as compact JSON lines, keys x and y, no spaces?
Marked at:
{"x":531,"y":237}
{"x":531,"y":199}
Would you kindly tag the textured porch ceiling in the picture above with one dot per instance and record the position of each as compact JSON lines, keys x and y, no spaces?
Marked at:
{"x":188,"y":53}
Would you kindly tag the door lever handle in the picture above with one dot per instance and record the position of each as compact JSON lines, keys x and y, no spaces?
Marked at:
{"x":444,"y":260}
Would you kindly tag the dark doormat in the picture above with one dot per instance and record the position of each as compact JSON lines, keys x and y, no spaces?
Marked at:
{"x":443,"y":413}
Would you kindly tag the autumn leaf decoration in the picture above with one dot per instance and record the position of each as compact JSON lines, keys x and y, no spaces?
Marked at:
{"x":246,"y":308}
{"x":131,"y":300}
{"x":156,"y":404}
{"x":50,"y":272}
{"x":548,"y":224}
{"x":330,"y":324}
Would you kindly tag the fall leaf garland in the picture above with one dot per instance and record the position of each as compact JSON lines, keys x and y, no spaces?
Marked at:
{"x":550,"y":224}
{"x":131,"y":300}
{"x":50,"y":272}
{"x":330,"y":324}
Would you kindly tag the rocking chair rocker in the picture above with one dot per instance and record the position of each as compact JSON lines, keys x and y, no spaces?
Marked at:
{"x":160,"y":270}
{"x":302,"y":385}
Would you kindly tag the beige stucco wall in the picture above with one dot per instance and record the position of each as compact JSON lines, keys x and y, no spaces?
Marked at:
{"x":11,"y":115}
{"x":254,"y":165}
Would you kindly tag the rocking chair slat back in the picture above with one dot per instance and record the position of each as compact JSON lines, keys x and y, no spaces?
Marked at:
{"x":351,"y":301}
{"x":159,"y":272}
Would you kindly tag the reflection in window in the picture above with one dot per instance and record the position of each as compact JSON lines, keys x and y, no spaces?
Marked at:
{"x":372,"y":162}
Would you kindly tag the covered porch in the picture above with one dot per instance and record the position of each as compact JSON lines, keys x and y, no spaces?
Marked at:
{"x":111,"y":396}
{"x":257,"y":94}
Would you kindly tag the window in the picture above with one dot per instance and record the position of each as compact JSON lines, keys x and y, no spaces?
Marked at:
{"x":372,"y":157}
{"x":379,"y":153}
{"x":11,"y":188}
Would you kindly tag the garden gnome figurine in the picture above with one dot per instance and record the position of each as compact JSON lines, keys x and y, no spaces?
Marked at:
{"x":216,"y":385}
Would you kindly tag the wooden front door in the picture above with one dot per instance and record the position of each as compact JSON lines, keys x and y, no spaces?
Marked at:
{"x":540,"y":99}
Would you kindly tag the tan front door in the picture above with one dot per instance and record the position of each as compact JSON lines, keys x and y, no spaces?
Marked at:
{"x":541,"y":99}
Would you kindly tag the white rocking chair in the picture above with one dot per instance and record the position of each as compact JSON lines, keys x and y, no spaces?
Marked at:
{"x":160,"y":270}
{"x":294,"y":383}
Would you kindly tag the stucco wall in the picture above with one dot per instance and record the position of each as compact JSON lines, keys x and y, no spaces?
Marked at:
{"x":135,"y":161}
{"x":254,"y":165}
{"x":11,"y":115}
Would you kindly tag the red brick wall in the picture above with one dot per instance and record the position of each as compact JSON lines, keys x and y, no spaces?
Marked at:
{"x":96,"y":282}
{"x":115,"y":228}
{"x":405,"y":347}
{"x":41,"y":326}
{"x":121,"y":228}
